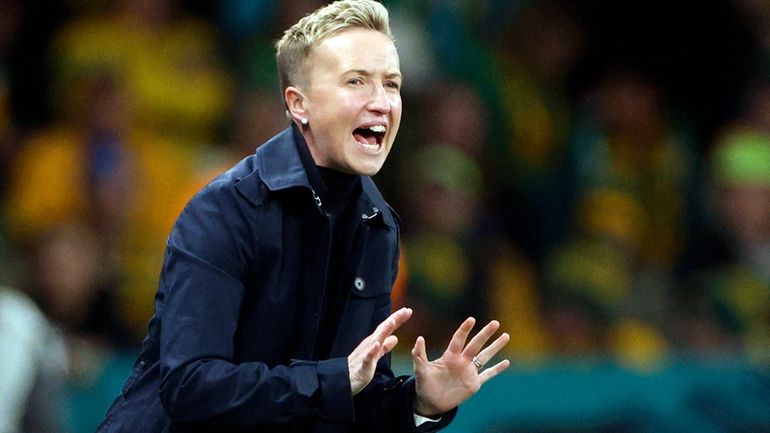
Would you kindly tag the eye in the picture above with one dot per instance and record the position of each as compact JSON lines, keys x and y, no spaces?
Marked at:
{"x":356,"y":81}
{"x":392,"y":85}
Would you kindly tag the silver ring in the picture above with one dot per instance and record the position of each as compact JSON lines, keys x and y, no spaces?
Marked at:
{"x":477,"y":363}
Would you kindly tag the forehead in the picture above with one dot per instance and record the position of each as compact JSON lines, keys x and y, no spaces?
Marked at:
{"x":355,"y":49}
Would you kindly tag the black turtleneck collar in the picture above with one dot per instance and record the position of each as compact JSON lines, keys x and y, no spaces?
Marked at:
{"x":335,"y":188}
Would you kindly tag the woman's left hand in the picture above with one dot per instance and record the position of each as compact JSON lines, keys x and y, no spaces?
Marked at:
{"x":444,"y":383}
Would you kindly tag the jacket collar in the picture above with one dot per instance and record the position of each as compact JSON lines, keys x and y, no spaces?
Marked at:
{"x":278,"y":162}
{"x":280,"y":167}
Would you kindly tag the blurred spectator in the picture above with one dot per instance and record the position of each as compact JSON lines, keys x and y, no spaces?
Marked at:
{"x":90,"y":166}
{"x":626,"y":141}
{"x":166,"y":60}
{"x":458,"y":262}
{"x":726,"y":299}
{"x":442,"y":206}
{"x":74,"y":284}
{"x":140,"y":96}
{"x":456,"y":116}
{"x":537,"y":52}
{"x":32,"y":398}
{"x":457,"y":266}
{"x":78,"y":168}
{"x":633,"y":180}
{"x":598,"y":301}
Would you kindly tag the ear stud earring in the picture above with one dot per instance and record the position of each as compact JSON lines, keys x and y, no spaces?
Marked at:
{"x":303,"y":121}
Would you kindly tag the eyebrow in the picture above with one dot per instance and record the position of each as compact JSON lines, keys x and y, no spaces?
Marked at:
{"x":368,"y":73}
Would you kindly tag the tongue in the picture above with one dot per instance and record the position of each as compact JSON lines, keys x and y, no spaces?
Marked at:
{"x":364,"y":136}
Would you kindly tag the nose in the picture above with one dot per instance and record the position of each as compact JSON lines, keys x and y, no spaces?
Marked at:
{"x":380,"y":101}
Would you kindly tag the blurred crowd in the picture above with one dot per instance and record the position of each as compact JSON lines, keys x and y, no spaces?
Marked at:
{"x":601,"y":189}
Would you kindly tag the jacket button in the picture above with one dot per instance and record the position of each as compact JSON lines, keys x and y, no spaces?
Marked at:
{"x":358,"y":283}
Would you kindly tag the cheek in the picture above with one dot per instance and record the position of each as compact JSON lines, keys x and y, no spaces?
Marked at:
{"x":345,"y":116}
{"x":395,"y":114}
{"x":330,"y":108}
{"x":395,"y":105}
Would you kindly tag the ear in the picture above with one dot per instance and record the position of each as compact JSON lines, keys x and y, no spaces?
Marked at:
{"x":296,"y":103}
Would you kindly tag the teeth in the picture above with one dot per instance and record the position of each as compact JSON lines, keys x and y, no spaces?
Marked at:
{"x":377,"y":128}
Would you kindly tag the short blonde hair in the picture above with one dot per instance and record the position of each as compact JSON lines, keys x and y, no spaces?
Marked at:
{"x":294,"y":47}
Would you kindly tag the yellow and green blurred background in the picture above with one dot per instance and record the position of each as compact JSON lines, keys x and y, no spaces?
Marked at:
{"x":595,"y":175}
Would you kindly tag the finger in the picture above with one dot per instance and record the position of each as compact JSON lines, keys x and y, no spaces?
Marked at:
{"x":493,"y":371}
{"x":479,"y":340}
{"x":393,"y":322}
{"x":372,"y":354}
{"x":383,"y":330}
{"x":490,"y":351}
{"x":389,"y":344}
{"x":419,"y":355}
{"x":458,"y":339}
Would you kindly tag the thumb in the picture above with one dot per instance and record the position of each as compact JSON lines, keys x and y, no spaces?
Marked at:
{"x":419,"y":356}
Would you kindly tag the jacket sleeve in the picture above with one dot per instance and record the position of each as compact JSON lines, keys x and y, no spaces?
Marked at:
{"x":202,"y":291}
{"x":387,"y":406}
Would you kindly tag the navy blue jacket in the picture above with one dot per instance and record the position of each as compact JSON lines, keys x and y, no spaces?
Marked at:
{"x":231,"y":347}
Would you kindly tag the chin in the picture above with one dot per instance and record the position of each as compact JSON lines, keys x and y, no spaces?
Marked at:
{"x":366,"y":166}
{"x":365,"y":169}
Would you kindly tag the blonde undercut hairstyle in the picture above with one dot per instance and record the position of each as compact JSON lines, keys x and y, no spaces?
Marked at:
{"x":294,"y":47}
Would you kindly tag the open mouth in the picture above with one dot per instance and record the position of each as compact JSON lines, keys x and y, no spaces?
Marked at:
{"x":370,"y":136}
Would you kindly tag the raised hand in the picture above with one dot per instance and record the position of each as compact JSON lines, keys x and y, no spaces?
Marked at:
{"x":443,"y":384}
{"x":362,"y":362}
